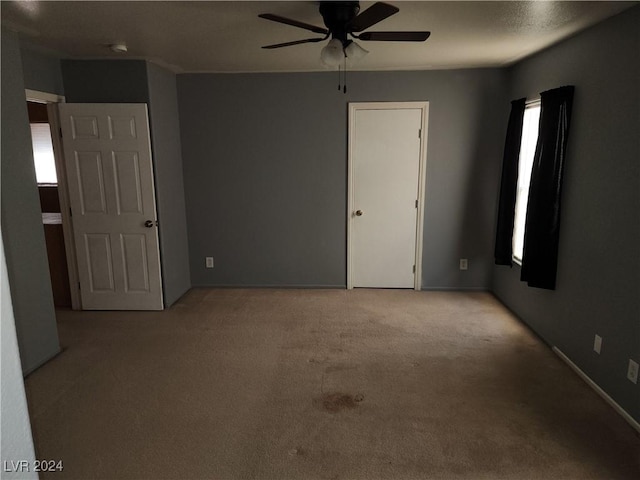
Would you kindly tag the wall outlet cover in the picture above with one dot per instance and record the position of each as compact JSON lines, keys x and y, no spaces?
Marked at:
{"x":464,"y":264}
{"x":209,"y":262}
{"x":597,"y":344}
{"x":632,"y":372}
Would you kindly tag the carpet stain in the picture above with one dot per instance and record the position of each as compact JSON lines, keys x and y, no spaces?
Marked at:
{"x":336,"y":402}
{"x":338,"y":368}
{"x":296,"y":451}
{"x":317,"y":360}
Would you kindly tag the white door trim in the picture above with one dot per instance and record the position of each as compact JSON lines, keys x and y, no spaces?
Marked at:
{"x":65,"y":207}
{"x":43,"y":97}
{"x":353,"y":108}
{"x":51,"y":100}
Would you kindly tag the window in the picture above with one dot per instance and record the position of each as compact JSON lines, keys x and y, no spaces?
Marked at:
{"x":43,"y":154}
{"x":530,"y":125}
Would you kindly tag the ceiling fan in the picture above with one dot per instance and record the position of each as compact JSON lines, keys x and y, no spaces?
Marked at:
{"x":344,"y":20}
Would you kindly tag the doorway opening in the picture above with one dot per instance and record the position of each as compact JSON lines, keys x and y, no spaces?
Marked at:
{"x":51,"y":183}
{"x":47,"y":179}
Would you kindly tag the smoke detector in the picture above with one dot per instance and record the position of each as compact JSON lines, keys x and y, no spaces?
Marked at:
{"x":118,"y":47}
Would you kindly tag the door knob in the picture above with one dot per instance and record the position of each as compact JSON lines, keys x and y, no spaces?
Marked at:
{"x":148,"y":223}
{"x":358,"y":213}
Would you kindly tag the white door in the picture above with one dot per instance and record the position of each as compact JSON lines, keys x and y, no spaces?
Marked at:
{"x":385,"y":146}
{"x":107,"y":155}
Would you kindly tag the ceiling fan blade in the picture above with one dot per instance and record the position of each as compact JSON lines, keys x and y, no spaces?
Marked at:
{"x":394,"y":36}
{"x":372,"y":15}
{"x":295,"y":42}
{"x":293,"y":23}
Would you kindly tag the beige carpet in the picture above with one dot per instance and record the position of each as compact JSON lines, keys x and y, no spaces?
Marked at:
{"x":320,"y":384}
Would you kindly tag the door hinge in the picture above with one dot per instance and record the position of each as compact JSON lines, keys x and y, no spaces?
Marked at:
{"x":60,"y":133}
{"x":416,"y":203}
{"x":70,"y":212}
{"x":419,"y":133}
{"x":78,"y":285}
{"x":414,"y":269}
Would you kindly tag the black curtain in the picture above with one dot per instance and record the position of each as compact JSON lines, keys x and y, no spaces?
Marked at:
{"x":508,"y":184}
{"x":542,"y":228}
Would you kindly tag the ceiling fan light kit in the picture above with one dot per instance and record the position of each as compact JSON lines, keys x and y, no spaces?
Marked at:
{"x":355,"y":52}
{"x":333,"y":53}
{"x":344,"y":20}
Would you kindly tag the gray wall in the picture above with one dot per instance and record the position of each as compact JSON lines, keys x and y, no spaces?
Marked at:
{"x":105,"y":81}
{"x":167,"y":158}
{"x":41,"y":70}
{"x":265,"y":162}
{"x":22,"y":229}
{"x":598,"y":290}
{"x":136,"y":81}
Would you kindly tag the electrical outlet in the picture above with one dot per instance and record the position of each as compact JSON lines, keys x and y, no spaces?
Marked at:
{"x":464,"y":264}
{"x":632,"y":372}
{"x":209,"y":262}
{"x":597,"y":344}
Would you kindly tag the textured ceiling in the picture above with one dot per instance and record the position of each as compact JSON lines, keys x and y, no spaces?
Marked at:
{"x":227,"y":36}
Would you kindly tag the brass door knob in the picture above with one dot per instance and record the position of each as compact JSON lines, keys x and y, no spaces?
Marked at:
{"x":148,"y":223}
{"x":358,"y":213}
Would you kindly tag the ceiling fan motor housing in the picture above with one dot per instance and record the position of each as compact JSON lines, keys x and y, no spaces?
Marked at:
{"x":337,"y":16}
{"x":344,"y":19}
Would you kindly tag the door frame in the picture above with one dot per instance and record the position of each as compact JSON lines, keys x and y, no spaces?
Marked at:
{"x":52,"y":100}
{"x":354,"y":107}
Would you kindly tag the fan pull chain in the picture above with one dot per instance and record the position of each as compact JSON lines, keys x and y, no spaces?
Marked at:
{"x":345,"y":75}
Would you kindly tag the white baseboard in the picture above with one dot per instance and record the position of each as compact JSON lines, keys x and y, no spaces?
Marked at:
{"x":598,"y":390}
{"x":455,"y":289}
{"x":271,"y":286}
